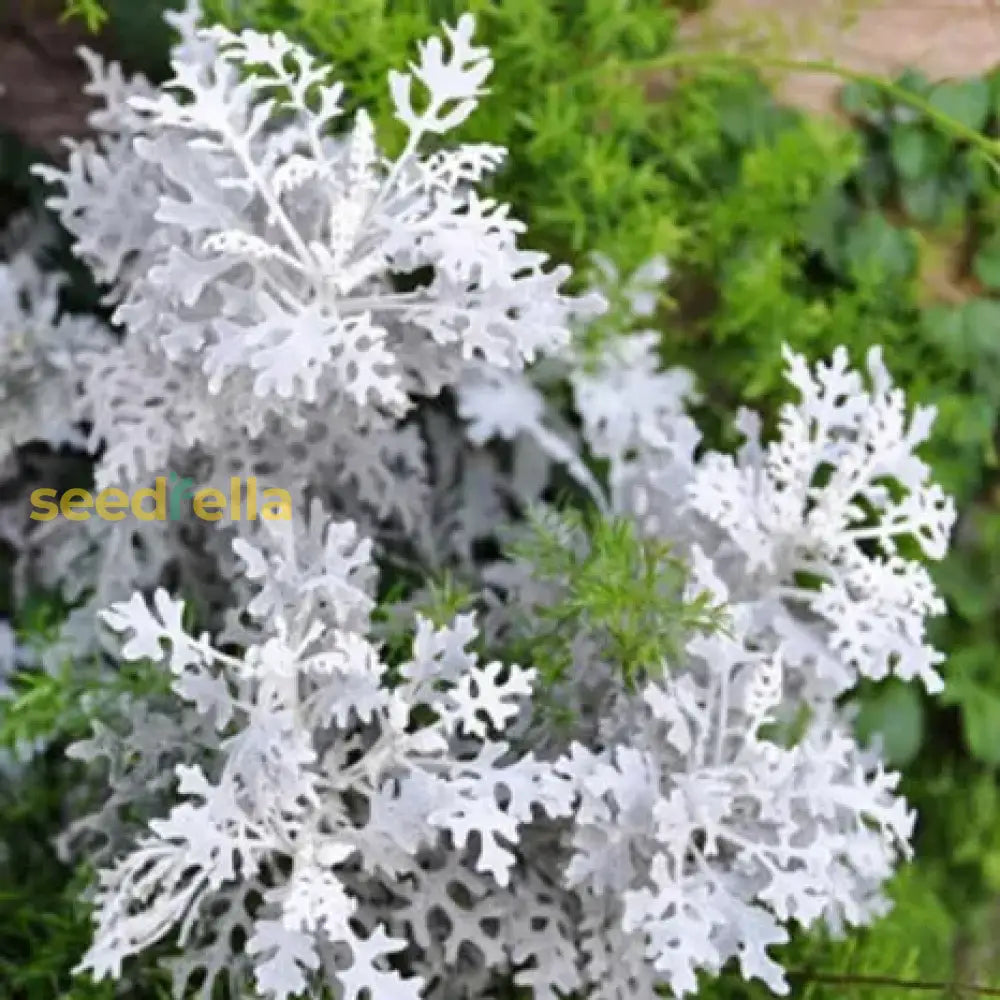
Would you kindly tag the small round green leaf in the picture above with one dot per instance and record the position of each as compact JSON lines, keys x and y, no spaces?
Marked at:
{"x":986,"y":264}
{"x":923,"y":199}
{"x":910,"y":151}
{"x":967,"y":102}
{"x":894,"y":712}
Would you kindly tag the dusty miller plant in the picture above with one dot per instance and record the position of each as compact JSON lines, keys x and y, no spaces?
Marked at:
{"x":306,"y":812}
{"x":289,"y":292}
{"x":727,"y":796}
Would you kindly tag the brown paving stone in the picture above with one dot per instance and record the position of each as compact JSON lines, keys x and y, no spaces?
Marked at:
{"x":40,"y":74}
{"x":944,"y":38}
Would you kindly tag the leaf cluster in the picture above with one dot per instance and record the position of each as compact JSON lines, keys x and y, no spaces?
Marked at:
{"x":622,"y":593}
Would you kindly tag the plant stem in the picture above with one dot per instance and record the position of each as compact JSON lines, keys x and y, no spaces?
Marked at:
{"x":831,"y":979}
{"x":960,"y":131}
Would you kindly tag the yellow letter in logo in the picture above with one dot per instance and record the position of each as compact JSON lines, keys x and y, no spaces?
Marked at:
{"x":209,"y":504}
{"x":75,"y":505}
{"x":44,"y":508}
{"x":159,"y":495}
{"x":277,"y":505}
{"x":112,"y":504}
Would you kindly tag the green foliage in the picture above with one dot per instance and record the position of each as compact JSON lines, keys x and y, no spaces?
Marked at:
{"x":914,"y":942}
{"x":951,"y":199}
{"x":56,"y":707}
{"x":44,"y":927}
{"x":92,"y":12}
{"x":893,"y":713}
{"x":61,"y":706}
{"x":621,"y":593}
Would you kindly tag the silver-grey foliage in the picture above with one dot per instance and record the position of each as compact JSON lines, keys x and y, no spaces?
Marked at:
{"x":301,"y":812}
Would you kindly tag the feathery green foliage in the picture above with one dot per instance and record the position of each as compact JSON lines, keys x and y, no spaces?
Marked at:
{"x":624,"y":593}
{"x":93,"y":13}
{"x":605,"y":586}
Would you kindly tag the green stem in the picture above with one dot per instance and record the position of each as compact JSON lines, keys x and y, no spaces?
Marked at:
{"x":895,"y":983}
{"x":990,"y":147}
